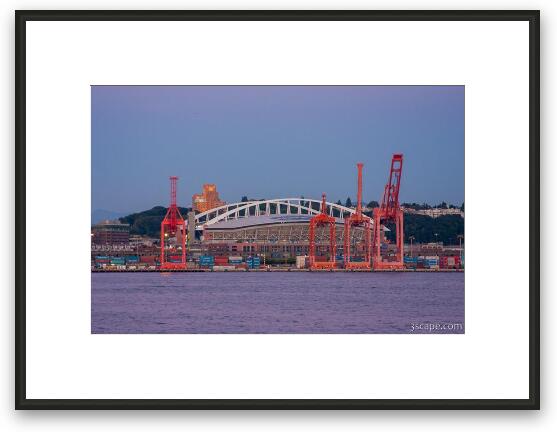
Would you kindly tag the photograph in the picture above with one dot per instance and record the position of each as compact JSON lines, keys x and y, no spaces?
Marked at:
{"x":249,"y":209}
{"x":277,"y":222}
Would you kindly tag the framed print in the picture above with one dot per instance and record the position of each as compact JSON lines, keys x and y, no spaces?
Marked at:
{"x":266,"y":210}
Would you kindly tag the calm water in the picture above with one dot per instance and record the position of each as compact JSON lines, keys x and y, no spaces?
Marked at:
{"x":277,"y":302}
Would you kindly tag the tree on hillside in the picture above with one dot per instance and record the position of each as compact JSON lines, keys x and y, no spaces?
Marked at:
{"x":244,"y":199}
{"x":339,"y":202}
{"x":148,"y":222}
{"x":424,"y":228}
{"x":416,"y":206}
{"x":348,"y":202}
{"x":373,"y":204}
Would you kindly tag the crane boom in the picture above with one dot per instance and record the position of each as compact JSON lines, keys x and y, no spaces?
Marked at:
{"x":359,"y":203}
{"x":389,"y":211}
{"x":390,"y":203}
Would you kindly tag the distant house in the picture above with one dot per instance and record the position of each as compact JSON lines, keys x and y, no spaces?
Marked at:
{"x":434,"y":212}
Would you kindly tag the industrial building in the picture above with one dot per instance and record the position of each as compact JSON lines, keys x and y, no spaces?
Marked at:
{"x":110,"y":233}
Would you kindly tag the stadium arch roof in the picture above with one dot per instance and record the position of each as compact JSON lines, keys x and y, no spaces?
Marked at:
{"x":289,"y":210}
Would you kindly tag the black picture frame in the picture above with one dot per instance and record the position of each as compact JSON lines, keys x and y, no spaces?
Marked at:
{"x":531,"y":16}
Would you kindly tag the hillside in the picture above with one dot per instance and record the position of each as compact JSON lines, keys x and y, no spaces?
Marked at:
{"x":424,"y":228}
{"x":148,"y":222}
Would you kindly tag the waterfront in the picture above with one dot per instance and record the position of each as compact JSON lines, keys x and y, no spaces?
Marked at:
{"x":262,"y":302}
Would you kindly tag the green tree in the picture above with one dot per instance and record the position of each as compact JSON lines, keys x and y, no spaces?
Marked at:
{"x":348,"y":202}
{"x":148,"y":222}
{"x":424,"y":228}
{"x":373,"y":204}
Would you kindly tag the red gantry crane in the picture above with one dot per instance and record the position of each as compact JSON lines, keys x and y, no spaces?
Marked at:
{"x":173,"y":256}
{"x":361,"y":258}
{"x":322,"y":220}
{"x":389,"y":211}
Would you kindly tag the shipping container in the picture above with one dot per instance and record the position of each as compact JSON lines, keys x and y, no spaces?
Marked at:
{"x":301,"y":262}
{"x":449,"y":262}
{"x":223,"y":268}
{"x":148,"y":258}
{"x":206,"y":261}
{"x":321,"y":258}
{"x":132,"y":259}
{"x":253,"y":262}
{"x":235,"y":258}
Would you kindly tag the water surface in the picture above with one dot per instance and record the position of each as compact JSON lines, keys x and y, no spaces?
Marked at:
{"x":277,"y":302}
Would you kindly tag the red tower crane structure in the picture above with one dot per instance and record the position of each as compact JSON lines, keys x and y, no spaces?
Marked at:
{"x":389,"y":211}
{"x":322,"y":220}
{"x":173,"y":225}
{"x":363,"y":250}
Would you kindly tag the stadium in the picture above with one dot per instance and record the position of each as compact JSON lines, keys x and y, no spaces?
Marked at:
{"x":276,"y":227}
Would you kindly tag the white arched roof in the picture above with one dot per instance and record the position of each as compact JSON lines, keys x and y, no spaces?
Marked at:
{"x":278,"y":206}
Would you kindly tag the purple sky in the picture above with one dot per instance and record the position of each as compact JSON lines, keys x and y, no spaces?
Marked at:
{"x":274,"y":142}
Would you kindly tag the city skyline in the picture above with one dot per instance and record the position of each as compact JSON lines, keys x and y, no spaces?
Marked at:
{"x":274,"y":142}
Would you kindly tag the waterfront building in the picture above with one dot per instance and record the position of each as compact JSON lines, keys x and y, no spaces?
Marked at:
{"x":110,"y":233}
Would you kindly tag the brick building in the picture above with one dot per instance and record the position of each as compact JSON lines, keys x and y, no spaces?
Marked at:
{"x":208,"y":199}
